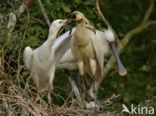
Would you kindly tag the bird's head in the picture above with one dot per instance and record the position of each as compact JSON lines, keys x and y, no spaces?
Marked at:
{"x":78,"y":17}
{"x":58,"y":26}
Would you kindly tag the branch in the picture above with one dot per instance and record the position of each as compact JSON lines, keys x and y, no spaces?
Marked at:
{"x":14,"y":15}
{"x":123,"y":43}
{"x":0,"y":62}
{"x":148,"y":12}
{"x":151,"y":23}
{"x":44,"y":12}
{"x":145,"y":24}
{"x":103,"y":18}
{"x":23,"y":7}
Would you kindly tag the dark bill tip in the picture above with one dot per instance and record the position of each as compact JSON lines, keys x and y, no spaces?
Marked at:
{"x":73,"y":17}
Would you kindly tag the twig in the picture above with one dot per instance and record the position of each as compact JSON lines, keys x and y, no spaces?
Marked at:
{"x":14,"y":15}
{"x":23,"y":7}
{"x":19,"y":53}
{"x":44,"y":12}
{"x":11,"y":25}
{"x":9,"y":113}
{"x":1,"y":62}
{"x":103,"y":18}
{"x":145,"y":24}
{"x":148,"y":12}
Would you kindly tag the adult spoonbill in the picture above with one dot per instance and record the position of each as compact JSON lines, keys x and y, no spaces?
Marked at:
{"x":41,"y":61}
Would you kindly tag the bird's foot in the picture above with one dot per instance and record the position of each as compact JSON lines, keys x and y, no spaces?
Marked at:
{"x":92,"y":105}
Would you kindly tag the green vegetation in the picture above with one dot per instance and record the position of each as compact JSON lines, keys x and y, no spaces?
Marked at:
{"x":138,"y":87}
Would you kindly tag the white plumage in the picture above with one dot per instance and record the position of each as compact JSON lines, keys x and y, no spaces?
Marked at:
{"x":52,"y":55}
{"x":77,"y":58}
{"x":41,"y":61}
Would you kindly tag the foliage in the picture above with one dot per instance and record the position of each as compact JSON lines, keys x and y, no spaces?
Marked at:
{"x":138,"y":87}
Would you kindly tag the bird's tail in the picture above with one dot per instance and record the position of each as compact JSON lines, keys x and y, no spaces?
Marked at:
{"x":109,"y":35}
{"x":28,"y":53}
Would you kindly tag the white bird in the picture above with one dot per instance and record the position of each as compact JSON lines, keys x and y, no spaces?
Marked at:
{"x":86,"y":46}
{"x":41,"y":61}
{"x":59,"y":47}
{"x":68,"y":61}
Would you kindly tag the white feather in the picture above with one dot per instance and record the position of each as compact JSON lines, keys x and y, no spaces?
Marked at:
{"x":109,"y":35}
{"x":41,"y":61}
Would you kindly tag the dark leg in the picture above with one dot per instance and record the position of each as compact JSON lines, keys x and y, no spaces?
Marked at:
{"x":79,"y":82}
{"x":76,"y":77}
{"x":95,"y":92}
{"x":122,"y":70}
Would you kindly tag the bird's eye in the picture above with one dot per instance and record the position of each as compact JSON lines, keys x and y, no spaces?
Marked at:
{"x":60,"y":22}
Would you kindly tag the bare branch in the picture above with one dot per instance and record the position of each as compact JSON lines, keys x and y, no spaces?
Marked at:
{"x":44,"y":12}
{"x":151,"y":23}
{"x":149,"y":11}
{"x":12,"y":21}
{"x":7,"y":107}
{"x":14,"y":15}
{"x":103,"y":18}
{"x":23,"y":7}
{"x":123,"y":43}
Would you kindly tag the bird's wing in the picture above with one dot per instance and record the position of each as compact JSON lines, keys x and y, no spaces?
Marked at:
{"x":61,"y":44}
{"x":105,"y":42}
{"x":98,"y":47}
{"x":67,"y":61}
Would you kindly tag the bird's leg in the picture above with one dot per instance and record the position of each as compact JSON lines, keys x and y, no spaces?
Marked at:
{"x":93,"y":94}
{"x":81,"y":67}
{"x":93,"y":69}
{"x":75,"y":89}
{"x":81,"y":70}
{"x":49,"y":98}
{"x":93,"y":90}
{"x":74,"y":79}
{"x":93,"y":66}
{"x":76,"y":76}
{"x":38,"y":98}
{"x":83,"y":89}
{"x":95,"y":97}
{"x":49,"y":95}
{"x":51,"y":86}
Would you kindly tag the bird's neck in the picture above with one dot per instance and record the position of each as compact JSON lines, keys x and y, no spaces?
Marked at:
{"x":51,"y":38}
{"x":81,"y":35}
{"x":82,"y":22}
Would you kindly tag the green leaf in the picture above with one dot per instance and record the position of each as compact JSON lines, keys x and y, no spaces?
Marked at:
{"x":66,"y":8}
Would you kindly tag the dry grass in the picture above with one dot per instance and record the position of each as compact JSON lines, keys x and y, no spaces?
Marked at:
{"x":17,"y":101}
{"x":17,"y":94}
